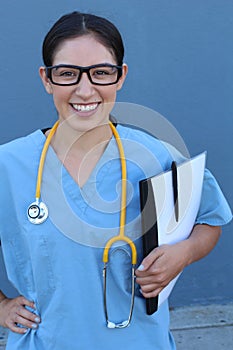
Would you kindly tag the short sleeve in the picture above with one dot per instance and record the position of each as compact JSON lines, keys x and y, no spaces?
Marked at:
{"x":214,"y":209}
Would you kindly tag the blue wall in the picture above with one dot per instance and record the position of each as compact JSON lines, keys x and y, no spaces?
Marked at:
{"x":180,"y":57}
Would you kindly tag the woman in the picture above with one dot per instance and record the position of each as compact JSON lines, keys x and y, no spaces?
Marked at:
{"x":56,"y":265}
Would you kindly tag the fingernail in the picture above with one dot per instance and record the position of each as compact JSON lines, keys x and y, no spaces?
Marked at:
{"x":34,"y":325}
{"x":37,"y":320}
{"x":141,"y":267}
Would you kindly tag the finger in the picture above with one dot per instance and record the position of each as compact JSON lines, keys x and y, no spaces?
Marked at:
{"x":148,"y":261}
{"x":24,"y":301}
{"x":22,"y":311}
{"x":142,"y":281}
{"x":28,"y":315}
{"x":16,"y":329}
{"x":25,"y":323}
{"x":150,"y":287}
{"x":152,"y":293}
{"x":154,"y":270}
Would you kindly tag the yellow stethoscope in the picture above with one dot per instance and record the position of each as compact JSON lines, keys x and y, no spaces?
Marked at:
{"x":37,"y":213}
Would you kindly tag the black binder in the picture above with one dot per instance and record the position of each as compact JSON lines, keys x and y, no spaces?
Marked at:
{"x":150,"y":230}
{"x":184,"y":184}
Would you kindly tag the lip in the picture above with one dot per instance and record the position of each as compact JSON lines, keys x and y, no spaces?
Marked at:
{"x":85,"y":109}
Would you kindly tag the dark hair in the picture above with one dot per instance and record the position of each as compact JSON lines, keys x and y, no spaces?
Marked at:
{"x":76,"y":24}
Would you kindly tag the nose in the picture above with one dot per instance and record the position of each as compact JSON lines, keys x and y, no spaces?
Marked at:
{"x":84,"y":88}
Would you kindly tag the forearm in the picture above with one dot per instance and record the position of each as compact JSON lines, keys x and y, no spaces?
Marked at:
{"x":200,"y":243}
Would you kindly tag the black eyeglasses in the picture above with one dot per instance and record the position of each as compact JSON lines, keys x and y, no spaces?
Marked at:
{"x":98,"y":74}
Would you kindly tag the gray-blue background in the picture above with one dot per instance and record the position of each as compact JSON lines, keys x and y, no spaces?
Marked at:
{"x":180,"y":57}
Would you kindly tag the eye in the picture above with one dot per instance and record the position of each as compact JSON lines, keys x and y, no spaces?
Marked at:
{"x":65,"y":72}
{"x":102,"y":72}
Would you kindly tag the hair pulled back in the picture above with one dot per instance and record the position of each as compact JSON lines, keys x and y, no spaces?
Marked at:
{"x":77,"y":24}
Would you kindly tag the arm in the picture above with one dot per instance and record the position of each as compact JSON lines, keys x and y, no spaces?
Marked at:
{"x":2,"y":296}
{"x":167,"y":261}
{"x":13,"y":311}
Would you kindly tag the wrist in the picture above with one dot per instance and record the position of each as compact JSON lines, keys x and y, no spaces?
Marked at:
{"x":186,"y":252}
{"x":2,"y":298}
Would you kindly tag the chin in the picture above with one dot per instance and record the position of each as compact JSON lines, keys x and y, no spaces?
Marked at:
{"x":85,"y":124}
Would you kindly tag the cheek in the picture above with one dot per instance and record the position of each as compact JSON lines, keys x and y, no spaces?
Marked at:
{"x":109,"y":95}
{"x":110,"y":99}
{"x":60,"y":96}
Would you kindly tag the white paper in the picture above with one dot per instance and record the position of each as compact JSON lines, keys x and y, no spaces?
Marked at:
{"x":190,"y":179}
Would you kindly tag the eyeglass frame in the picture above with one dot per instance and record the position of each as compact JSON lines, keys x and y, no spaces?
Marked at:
{"x":48,"y":71}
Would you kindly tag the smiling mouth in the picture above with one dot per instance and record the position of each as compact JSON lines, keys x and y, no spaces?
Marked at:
{"x":84,"y":107}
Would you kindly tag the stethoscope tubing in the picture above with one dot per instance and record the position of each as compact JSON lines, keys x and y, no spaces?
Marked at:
{"x":38,"y":212}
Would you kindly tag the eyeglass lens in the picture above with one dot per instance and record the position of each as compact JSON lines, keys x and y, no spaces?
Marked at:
{"x":100,"y":75}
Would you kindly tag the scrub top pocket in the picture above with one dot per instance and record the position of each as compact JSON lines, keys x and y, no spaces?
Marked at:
{"x":18,"y":267}
{"x":38,"y":244}
{"x":43,"y":269}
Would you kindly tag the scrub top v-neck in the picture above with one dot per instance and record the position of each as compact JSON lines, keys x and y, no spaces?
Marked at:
{"x":58,"y":264}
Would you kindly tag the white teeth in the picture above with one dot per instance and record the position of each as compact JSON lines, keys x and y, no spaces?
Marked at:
{"x":85,"y":108}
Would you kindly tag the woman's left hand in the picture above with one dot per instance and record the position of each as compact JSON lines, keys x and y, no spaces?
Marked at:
{"x":167,"y":261}
{"x":160,"y":267}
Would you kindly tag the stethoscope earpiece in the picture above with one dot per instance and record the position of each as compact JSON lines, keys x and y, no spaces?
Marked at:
{"x":37,"y":213}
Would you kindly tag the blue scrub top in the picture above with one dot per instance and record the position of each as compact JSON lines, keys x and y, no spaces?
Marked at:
{"x":58,"y":264}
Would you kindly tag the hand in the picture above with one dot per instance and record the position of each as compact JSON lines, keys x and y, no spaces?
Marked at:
{"x":160,"y":267}
{"x":13,"y":312}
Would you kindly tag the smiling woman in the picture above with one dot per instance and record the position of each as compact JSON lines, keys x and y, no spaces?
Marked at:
{"x":83,"y":79}
{"x":89,"y":173}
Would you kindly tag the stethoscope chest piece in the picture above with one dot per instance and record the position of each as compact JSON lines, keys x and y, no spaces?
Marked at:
{"x":37,"y":213}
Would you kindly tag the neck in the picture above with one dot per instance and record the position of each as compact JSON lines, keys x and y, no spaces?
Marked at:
{"x":67,"y":140}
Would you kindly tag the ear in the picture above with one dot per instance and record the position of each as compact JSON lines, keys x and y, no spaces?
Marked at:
{"x":46,"y":82}
{"x":122,"y":78}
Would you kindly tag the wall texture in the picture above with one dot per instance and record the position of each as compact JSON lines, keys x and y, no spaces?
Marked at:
{"x":180,"y":64}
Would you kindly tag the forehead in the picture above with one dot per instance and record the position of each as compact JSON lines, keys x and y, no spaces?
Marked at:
{"x":82,"y":51}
